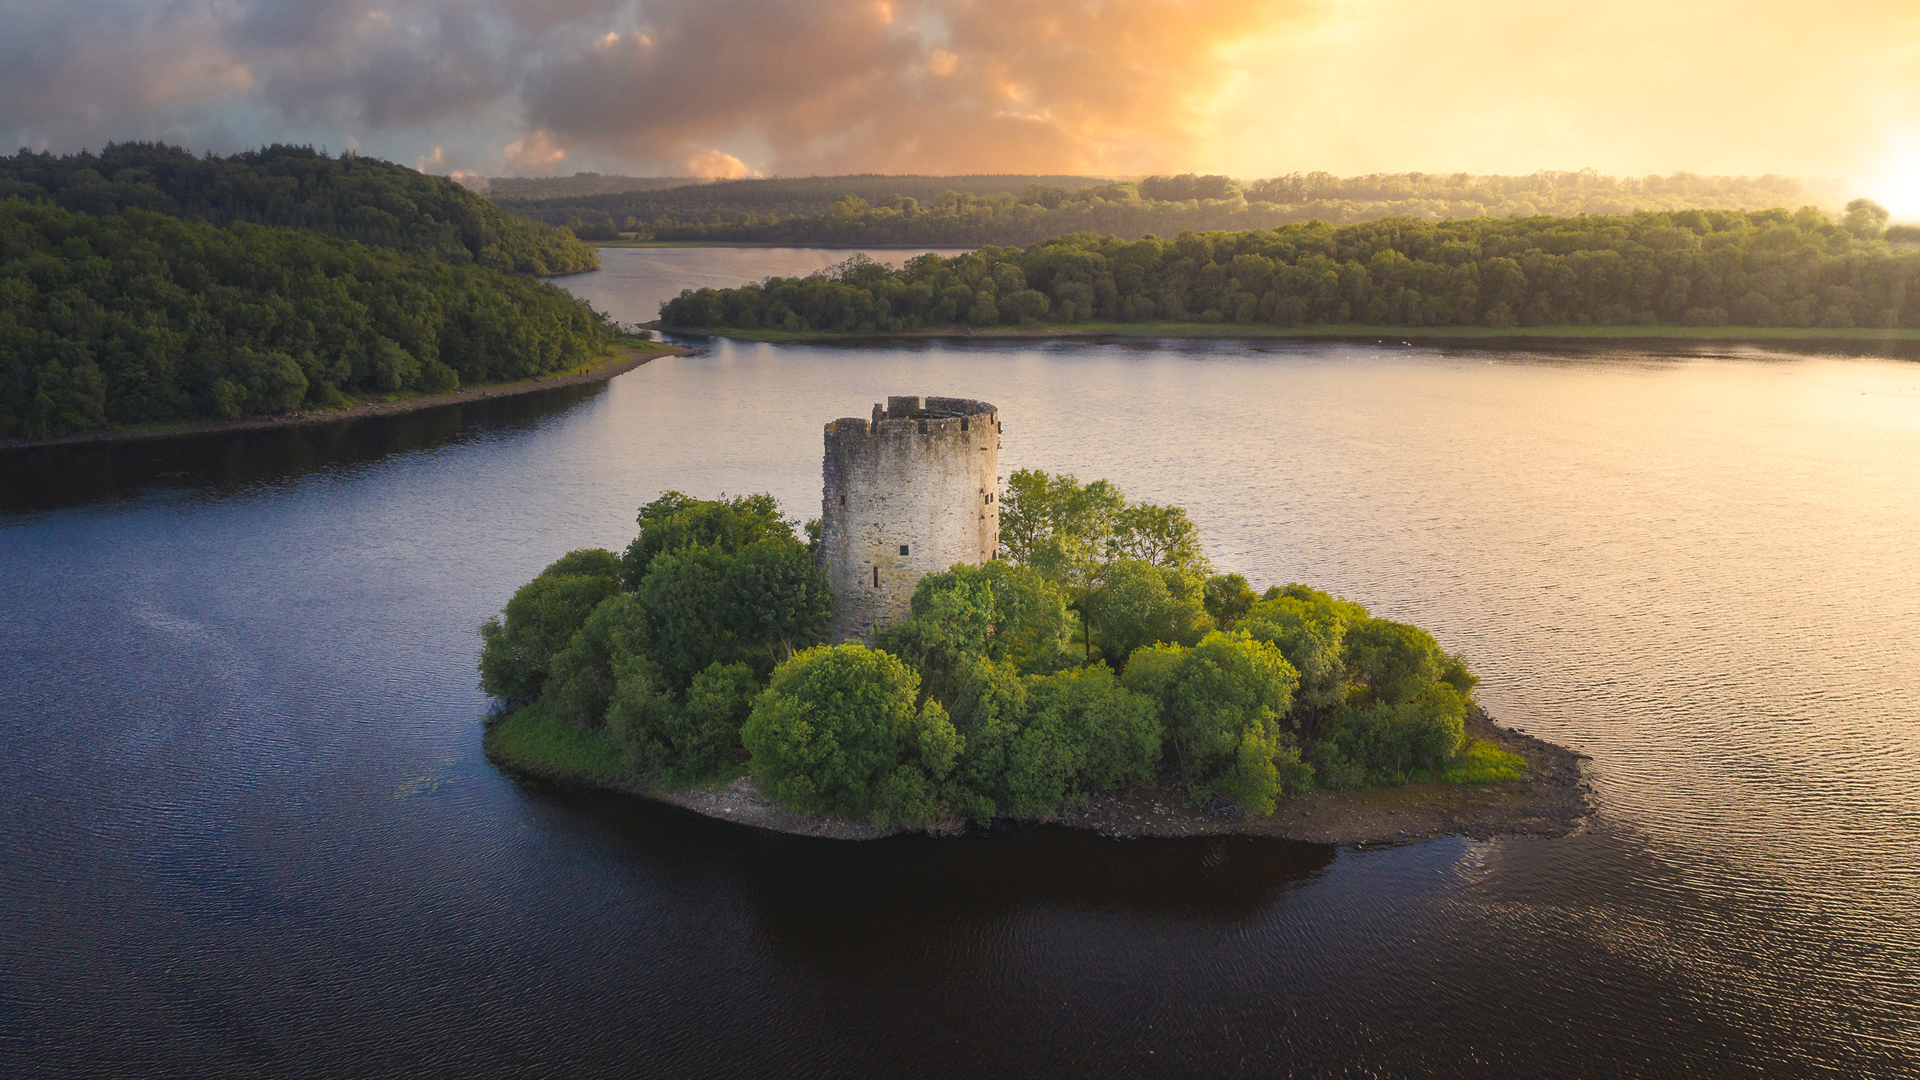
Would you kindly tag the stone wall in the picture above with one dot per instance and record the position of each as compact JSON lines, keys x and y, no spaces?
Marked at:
{"x":908,"y":492}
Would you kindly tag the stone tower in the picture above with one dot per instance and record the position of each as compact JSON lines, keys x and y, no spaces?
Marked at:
{"x":909,"y":492}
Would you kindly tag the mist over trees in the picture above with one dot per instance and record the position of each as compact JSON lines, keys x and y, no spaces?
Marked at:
{"x":1684,"y":267}
{"x":358,"y":198}
{"x":973,"y":211}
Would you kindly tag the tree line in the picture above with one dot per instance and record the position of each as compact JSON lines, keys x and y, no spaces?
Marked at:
{"x":141,"y":318}
{"x":724,"y":200}
{"x":865,"y":211}
{"x":375,"y":202}
{"x":1098,"y":650}
{"x":1680,"y":267}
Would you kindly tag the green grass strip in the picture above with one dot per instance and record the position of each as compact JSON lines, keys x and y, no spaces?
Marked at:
{"x":1484,"y":763}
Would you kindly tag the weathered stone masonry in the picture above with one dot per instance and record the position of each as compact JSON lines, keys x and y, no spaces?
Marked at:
{"x":909,"y":492}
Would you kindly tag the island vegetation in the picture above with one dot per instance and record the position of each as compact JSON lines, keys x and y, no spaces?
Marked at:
{"x":1700,"y":268}
{"x":375,"y":202}
{"x":140,"y":318}
{"x":864,"y":211}
{"x":1098,"y":651}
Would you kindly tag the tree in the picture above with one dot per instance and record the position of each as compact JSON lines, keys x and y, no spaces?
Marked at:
{"x":1000,"y":612}
{"x":580,"y":678}
{"x":539,"y":621}
{"x":684,"y":615}
{"x":1865,"y":219}
{"x":831,"y":725}
{"x":1223,"y":701}
{"x":1228,"y":599}
{"x":1137,"y":603}
{"x":1161,"y":535}
{"x":773,"y":595}
{"x":674,"y":521}
{"x":1310,"y":629}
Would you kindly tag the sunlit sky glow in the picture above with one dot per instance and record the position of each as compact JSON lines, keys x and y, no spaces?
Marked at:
{"x":1116,"y":87}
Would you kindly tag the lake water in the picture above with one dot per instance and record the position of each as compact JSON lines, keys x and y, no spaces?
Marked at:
{"x":249,"y":828}
{"x":632,"y":283}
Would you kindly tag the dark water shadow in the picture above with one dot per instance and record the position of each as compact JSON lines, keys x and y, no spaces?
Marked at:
{"x":39,"y":478}
{"x":826,"y":897}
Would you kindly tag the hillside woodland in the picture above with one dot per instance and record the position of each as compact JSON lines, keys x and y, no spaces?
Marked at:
{"x":136,"y":317}
{"x":375,"y":202}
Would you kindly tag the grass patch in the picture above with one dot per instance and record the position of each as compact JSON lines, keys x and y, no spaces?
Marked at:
{"x":1484,"y":763}
{"x":530,"y":742}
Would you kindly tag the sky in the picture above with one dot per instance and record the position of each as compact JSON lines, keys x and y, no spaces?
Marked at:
{"x":1250,"y":88}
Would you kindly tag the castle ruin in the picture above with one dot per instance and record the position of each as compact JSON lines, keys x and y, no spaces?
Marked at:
{"x":909,"y":492}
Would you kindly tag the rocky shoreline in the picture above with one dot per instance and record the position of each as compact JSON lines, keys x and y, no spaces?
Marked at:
{"x":624,"y":360}
{"x":1552,"y":800}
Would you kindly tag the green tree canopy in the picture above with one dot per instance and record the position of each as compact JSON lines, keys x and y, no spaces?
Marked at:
{"x":674,"y":521}
{"x":351,"y":197}
{"x":1701,"y":267}
{"x":831,"y":726}
{"x":1137,"y":603}
{"x":138,"y":318}
{"x":1000,"y":612}
{"x":539,"y":621}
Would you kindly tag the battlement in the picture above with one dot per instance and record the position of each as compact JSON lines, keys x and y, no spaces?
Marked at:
{"x":907,"y":416}
{"x":911,"y":490}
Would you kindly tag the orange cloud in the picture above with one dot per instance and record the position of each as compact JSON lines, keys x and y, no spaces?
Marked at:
{"x":535,"y":152}
{"x":1118,"y":86}
{"x":715,"y":165}
{"x":1247,"y":87}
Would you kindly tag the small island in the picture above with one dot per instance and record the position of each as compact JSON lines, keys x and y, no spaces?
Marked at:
{"x":939,"y":652}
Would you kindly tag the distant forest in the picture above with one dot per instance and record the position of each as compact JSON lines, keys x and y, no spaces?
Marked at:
{"x":603,"y":217}
{"x":507,"y":190}
{"x":1688,"y":267}
{"x":973,"y":211}
{"x":355,"y":198}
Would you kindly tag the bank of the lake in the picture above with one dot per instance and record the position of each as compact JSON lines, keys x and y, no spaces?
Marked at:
{"x":1552,"y":799}
{"x":1344,"y":332}
{"x":626,"y":355}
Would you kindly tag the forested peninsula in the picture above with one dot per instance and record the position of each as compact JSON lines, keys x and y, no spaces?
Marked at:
{"x":1700,"y":268}
{"x":1098,"y":663}
{"x":122,"y":305}
{"x":859,"y":211}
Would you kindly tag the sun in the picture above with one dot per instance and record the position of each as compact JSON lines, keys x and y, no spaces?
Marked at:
{"x":1898,"y":186}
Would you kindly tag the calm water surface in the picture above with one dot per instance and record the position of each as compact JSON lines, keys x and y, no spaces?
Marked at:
{"x":632,"y":283}
{"x":249,"y":828}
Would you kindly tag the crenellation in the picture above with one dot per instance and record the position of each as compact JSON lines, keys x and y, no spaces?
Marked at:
{"x":908,"y":493}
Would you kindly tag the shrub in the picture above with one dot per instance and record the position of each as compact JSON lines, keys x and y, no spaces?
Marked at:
{"x":831,"y":725}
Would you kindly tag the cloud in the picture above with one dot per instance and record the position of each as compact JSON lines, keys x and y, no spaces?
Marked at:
{"x":716,"y":165}
{"x":1249,"y":87}
{"x":534,"y":152}
{"x":915,"y":85}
